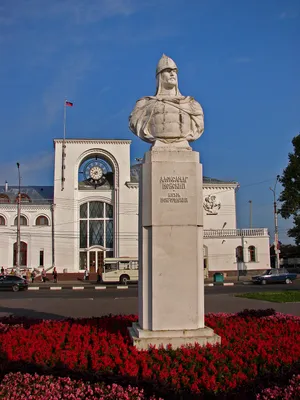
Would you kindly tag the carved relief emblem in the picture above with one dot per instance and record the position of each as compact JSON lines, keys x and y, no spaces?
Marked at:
{"x":210,"y":205}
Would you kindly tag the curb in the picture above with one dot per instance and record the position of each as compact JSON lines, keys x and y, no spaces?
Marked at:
{"x":75,"y":287}
{"x":121,"y":287}
{"x":227,"y":283}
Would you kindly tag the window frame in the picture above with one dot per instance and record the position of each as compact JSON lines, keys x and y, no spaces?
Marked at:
{"x":252,"y":253}
{"x":42,"y":216}
{"x":22,"y":216}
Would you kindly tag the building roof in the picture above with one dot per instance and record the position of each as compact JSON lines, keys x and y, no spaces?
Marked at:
{"x":134,"y":177}
{"x":37,"y":194}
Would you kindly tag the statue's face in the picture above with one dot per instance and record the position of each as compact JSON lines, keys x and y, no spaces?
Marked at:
{"x":169,"y":78}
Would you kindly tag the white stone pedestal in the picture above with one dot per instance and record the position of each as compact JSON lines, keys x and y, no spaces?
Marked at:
{"x":171,"y":285}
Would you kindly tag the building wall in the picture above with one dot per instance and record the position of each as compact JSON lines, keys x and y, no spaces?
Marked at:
{"x":129,"y":222}
{"x":225,"y":216}
{"x":68,"y":200}
{"x":222,"y":253}
{"x":36,"y":237}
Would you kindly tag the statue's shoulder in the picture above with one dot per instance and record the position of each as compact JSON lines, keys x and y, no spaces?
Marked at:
{"x":144,"y":101}
{"x":196,"y":107}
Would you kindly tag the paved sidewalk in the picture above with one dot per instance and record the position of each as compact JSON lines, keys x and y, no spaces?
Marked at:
{"x":228,"y":303}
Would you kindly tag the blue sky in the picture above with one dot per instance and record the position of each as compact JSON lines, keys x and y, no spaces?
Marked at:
{"x":240,"y":59}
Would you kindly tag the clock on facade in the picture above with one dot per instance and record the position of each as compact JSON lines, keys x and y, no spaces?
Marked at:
{"x":95,"y":172}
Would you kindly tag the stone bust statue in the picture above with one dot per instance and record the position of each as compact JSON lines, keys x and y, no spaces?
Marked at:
{"x":168,"y":117}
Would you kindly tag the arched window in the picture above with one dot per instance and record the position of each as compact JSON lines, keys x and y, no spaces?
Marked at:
{"x":96,"y":224}
{"x":4,"y":198}
{"x":252,"y":253}
{"x":23,"y":220}
{"x":96,"y":229}
{"x":42,"y":220}
{"x":2,"y":220}
{"x":239,"y":254}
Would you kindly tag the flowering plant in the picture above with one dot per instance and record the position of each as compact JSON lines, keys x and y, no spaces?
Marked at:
{"x":258,"y":350}
{"x":25,"y":386}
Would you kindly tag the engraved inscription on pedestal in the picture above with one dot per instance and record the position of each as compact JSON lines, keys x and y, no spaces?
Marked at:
{"x":174,"y":187}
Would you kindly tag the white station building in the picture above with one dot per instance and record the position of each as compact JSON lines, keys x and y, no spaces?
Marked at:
{"x":91,"y":213}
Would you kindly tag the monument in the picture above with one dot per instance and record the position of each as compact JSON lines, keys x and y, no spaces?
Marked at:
{"x":171,"y":281}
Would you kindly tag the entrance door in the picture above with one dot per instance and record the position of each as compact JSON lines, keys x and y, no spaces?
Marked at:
{"x":23,"y":254}
{"x":96,"y":260}
{"x":100,"y":261}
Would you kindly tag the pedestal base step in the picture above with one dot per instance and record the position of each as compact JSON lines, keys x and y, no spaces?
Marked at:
{"x":143,"y":339}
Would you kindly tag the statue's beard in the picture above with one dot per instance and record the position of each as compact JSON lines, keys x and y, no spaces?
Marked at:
{"x":159,"y":87}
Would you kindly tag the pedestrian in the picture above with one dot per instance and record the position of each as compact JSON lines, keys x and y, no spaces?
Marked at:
{"x":99,"y":274}
{"x":2,"y":271}
{"x":54,"y":273}
{"x":27,"y":275}
{"x":44,"y":275}
{"x":86,"y":274}
{"x":32,"y":276}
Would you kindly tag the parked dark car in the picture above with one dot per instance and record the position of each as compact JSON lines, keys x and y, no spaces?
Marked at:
{"x":14,"y":283}
{"x":274,"y":275}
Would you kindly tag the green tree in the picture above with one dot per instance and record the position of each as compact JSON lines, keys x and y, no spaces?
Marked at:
{"x":290,"y":195}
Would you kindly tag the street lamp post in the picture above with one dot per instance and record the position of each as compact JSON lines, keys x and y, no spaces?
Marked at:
{"x":250,"y":215}
{"x":18,"y":261}
{"x":276,"y":240}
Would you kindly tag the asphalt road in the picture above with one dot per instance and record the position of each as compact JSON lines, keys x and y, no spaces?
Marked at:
{"x":48,"y":304}
{"x":132,"y":291}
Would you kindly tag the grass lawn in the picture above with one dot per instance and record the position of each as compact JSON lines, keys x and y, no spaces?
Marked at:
{"x":285,"y":296}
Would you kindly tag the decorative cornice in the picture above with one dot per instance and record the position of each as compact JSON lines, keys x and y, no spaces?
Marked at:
{"x":93,"y":141}
{"x":220,"y":185}
{"x":28,"y":208}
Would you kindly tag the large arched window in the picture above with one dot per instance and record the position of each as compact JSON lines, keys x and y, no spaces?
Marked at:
{"x":4,"y":198}
{"x":2,"y":220}
{"x":23,"y":220}
{"x":96,"y":225}
{"x":96,"y":230}
{"x":42,"y":220}
{"x":252,"y":253}
{"x":239,"y":254}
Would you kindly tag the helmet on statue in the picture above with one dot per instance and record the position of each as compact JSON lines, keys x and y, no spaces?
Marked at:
{"x":164,"y":63}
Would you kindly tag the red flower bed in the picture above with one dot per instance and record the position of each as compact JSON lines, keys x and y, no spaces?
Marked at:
{"x":257,"y":347}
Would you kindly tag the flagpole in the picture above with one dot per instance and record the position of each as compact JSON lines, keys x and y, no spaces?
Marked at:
{"x":63,"y":149}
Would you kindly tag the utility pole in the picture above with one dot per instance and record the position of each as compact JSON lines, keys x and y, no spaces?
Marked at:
{"x":250,"y":215}
{"x":276,"y":239}
{"x":18,"y":260}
